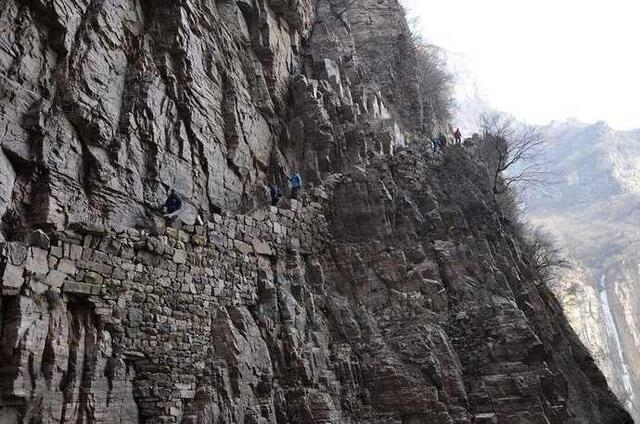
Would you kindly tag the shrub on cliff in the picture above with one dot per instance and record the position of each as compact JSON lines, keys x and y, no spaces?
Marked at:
{"x":511,"y":152}
{"x":433,"y":79}
{"x":544,"y":257}
{"x":434,"y":85}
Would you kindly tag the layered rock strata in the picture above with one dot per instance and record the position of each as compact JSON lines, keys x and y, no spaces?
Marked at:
{"x":404,"y":298}
{"x":396,"y":291}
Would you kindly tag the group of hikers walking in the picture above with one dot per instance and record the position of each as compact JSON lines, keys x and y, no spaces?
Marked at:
{"x":441,"y":141}
{"x":274,"y":192}
{"x":173,"y":204}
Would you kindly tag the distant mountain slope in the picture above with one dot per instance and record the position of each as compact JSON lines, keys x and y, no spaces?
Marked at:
{"x":594,"y":212}
{"x":595,"y":161}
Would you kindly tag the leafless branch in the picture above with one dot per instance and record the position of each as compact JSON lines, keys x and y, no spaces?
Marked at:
{"x":513,"y":153}
{"x":543,"y":255}
{"x":434,"y":84}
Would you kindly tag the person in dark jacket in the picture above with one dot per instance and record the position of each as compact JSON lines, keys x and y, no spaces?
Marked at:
{"x":275,"y":193}
{"x":296,"y":184}
{"x":442,"y":140}
{"x":172,"y":205}
{"x":458,"y":136}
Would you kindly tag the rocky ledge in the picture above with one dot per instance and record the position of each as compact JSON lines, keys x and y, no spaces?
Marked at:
{"x":400,"y":295}
{"x":395,"y":291}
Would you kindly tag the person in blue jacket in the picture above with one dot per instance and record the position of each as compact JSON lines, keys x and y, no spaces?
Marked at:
{"x":296,"y":184}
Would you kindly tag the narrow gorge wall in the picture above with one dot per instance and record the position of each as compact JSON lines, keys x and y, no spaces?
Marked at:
{"x":593,"y":212}
{"x":395,"y":291}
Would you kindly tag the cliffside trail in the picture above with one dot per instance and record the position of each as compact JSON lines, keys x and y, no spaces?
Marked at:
{"x":395,"y":291}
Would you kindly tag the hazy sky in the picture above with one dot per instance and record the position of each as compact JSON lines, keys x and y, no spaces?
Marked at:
{"x":545,"y":60}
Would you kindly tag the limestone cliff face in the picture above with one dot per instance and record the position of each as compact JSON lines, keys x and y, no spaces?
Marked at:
{"x":593,"y":212}
{"x":395,"y":291}
{"x":107,"y":104}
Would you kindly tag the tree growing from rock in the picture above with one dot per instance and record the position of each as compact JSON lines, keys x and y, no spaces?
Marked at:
{"x":434,"y":85}
{"x":512,"y":152}
{"x":544,"y":257}
{"x":433,"y":78}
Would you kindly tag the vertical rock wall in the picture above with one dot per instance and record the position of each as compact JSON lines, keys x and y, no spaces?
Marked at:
{"x":106,"y":105}
{"x":394,"y":292}
{"x":390,"y":297}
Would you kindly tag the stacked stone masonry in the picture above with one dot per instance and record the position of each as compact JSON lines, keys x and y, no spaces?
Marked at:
{"x":171,"y":303}
{"x":360,"y":306}
{"x":396,"y":292}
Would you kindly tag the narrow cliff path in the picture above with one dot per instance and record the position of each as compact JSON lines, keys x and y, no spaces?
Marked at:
{"x":397,"y":292}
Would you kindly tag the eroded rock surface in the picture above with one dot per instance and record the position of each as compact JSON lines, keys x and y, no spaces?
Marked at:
{"x":387,"y":299}
{"x":593,"y":212}
{"x":395,"y":291}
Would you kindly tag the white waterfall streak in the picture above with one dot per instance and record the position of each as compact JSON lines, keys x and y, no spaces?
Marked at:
{"x":612,"y":332}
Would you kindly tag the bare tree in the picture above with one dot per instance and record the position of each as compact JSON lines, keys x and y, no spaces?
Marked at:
{"x":434,"y":84}
{"x":513,"y":152}
{"x":433,"y":77}
{"x":545,"y":259}
{"x":401,"y":61}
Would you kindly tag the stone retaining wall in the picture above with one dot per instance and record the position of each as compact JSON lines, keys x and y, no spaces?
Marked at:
{"x":142,"y":306}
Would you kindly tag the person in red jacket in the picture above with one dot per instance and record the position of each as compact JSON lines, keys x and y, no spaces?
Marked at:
{"x":458,"y":136}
